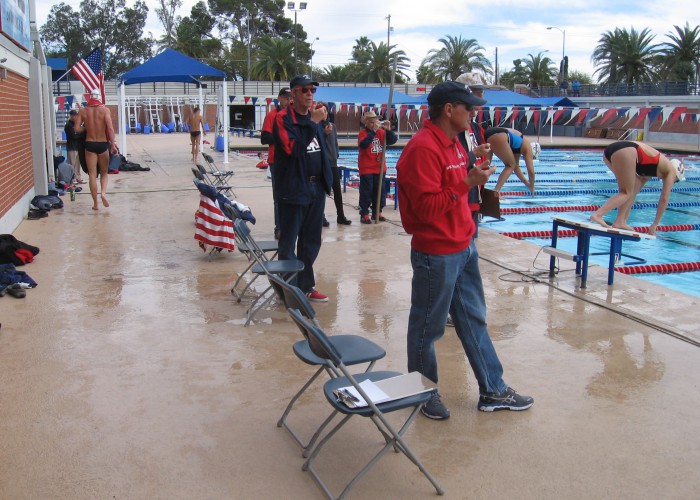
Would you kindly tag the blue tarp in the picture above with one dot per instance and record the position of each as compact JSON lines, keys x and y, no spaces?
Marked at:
{"x":171,"y":66}
{"x":557,"y":101}
{"x":362,"y":95}
{"x":496,"y":97}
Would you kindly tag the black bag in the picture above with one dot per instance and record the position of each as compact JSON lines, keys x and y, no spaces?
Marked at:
{"x":115,"y":161}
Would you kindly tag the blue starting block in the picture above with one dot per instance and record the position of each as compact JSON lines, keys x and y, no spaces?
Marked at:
{"x":585,"y":230}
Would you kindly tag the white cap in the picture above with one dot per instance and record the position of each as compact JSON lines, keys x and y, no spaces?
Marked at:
{"x":536,"y":149}
{"x":679,"y":168}
{"x":96,"y":94}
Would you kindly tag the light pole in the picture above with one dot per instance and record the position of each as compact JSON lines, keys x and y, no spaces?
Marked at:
{"x":312,"y":57}
{"x":563,"y":46}
{"x":389,"y":29}
{"x":290,"y":6}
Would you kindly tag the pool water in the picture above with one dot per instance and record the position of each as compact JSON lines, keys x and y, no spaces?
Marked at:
{"x":576,"y":177}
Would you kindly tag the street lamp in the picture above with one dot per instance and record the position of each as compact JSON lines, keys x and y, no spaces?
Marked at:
{"x":563,"y":42}
{"x":312,"y":57}
{"x":290,"y":6}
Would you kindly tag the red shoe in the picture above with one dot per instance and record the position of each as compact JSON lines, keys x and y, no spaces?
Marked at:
{"x":365,"y":219}
{"x":316,"y":296}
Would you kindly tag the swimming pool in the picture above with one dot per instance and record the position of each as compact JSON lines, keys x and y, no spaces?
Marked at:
{"x":578,"y":179}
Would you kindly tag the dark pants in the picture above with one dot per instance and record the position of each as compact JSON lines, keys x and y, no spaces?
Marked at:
{"x":369,"y":184}
{"x":274,"y":197}
{"x":301,"y":225}
{"x":337,"y":193}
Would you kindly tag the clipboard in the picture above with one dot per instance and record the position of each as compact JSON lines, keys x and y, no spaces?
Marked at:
{"x":385,"y":390}
{"x":490,"y":204}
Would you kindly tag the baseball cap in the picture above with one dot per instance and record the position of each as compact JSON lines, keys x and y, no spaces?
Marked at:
{"x":284,"y":92}
{"x":679,"y":168}
{"x":472,"y":80}
{"x":446,"y":92}
{"x":301,"y":80}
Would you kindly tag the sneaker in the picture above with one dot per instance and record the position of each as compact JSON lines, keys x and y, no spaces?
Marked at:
{"x":325,"y":222}
{"x":435,"y":409}
{"x":449,"y":321}
{"x":508,"y":400}
{"x":316,"y":296}
{"x":382,"y":218}
{"x":343,"y":221}
{"x":365,"y":220}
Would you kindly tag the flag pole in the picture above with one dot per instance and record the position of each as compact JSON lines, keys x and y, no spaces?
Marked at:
{"x":380,"y":187}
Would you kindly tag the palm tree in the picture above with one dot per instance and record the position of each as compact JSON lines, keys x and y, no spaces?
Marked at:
{"x":626,"y":56}
{"x":682,"y":55}
{"x":457,"y":56}
{"x":361,"y":50}
{"x":345,"y":73}
{"x":275,"y":59}
{"x":380,"y":64}
{"x":540,"y":70}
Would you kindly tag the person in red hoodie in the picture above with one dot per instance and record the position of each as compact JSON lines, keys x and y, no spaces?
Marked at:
{"x":433,"y":186}
{"x":371,"y":153}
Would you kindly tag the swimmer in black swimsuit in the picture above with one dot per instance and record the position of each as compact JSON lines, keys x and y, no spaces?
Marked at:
{"x":196,"y":127}
{"x":633,"y":164}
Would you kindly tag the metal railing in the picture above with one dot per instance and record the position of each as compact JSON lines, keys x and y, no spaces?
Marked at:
{"x":621,"y":89}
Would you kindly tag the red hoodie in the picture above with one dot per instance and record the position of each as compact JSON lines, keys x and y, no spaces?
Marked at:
{"x":434,"y":207}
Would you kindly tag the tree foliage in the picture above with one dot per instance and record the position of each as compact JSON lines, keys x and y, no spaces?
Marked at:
{"x":194,"y":38}
{"x":681,"y":56}
{"x":108,"y":25}
{"x":625,"y":56}
{"x":274,"y":61}
{"x":457,"y":56}
{"x":169,"y":19}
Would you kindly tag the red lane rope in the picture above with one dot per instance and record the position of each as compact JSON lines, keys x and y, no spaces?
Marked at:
{"x":679,"y":267}
{"x":533,"y":210}
{"x":563,"y":233}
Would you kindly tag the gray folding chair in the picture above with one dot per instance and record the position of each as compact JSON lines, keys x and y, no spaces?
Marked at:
{"x":354,"y":348}
{"x":212,"y":180}
{"x":222,"y":176}
{"x":267,"y":247}
{"x":287,"y":269}
{"x":321,"y":346}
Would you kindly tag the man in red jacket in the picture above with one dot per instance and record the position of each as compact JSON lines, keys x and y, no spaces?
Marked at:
{"x":433,"y":186}
{"x":371,"y":154}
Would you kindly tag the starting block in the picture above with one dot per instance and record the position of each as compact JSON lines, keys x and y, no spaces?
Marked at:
{"x":585,"y":229}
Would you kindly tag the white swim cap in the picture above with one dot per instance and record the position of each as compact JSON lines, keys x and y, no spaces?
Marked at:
{"x":679,"y":168}
{"x":96,"y":94}
{"x":536,"y":149}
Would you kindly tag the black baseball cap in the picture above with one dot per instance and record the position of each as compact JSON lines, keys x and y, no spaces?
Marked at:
{"x":301,"y":80}
{"x":446,"y":92}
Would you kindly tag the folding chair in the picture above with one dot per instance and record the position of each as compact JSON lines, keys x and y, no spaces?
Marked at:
{"x":267,"y":246}
{"x":287,"y":269}
{"x":222,"y":176}
{"x":322,"y":347}
{"x":212,"y":180}
{"x":354,"y":349}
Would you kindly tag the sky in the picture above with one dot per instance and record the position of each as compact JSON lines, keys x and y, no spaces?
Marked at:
{"x":506,"y":29}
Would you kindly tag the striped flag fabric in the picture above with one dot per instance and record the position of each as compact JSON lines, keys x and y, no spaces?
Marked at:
{"x":89,"y":72}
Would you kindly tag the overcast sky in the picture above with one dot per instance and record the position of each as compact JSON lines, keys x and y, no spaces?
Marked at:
{"x":511,"y":28}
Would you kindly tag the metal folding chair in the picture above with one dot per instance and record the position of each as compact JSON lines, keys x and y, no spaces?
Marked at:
{"x":354,"y":348}
{"x":286,"y":269}
{"x":267,"y":246}
{"x":322,"y":347}
{"x":222,"y":176}
{"x":212,"y":180}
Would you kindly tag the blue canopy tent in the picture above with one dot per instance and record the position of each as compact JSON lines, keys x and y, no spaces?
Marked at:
{"x":362,"y":95}
{"x":171,"y":66}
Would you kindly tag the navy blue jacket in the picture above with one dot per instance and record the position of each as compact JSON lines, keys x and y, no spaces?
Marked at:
{"x":293,"y":133}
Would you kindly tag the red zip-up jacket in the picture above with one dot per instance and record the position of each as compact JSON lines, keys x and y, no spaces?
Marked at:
{"x":432,"y":192}
{"x":266,"y":134}
{"x":370,"y":149}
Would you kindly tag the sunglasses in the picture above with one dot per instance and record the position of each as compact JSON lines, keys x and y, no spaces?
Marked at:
{"x":306,"y":90}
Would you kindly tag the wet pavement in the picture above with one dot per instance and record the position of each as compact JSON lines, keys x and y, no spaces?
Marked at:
{"x":128,"y":373}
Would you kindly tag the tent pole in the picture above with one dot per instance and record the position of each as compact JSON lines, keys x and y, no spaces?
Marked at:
{"x":120,"y":119}
{"x":380,"y":188}
{"x":224,"y":111}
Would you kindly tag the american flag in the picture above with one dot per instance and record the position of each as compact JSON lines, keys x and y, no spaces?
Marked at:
{"x":89,"y":72}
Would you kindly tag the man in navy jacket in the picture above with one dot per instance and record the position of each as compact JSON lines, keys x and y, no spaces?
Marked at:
{"x":302,"y":177}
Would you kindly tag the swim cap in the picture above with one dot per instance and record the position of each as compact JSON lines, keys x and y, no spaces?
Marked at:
{"x":679,"y":168}
{"x":536,"y":149}
{"x":96,"y":94}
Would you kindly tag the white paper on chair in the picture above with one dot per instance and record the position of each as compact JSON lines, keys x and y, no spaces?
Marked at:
{"x":384,"y":390}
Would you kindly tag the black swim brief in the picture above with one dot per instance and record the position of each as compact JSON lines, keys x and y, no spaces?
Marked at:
{"x":195,"y":133}
{"x":96,"y":147}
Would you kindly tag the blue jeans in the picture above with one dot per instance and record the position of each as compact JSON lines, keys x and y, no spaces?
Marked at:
{"x":369,"y":186}
{"x":301,"y":225}
{"x":443,"y":283}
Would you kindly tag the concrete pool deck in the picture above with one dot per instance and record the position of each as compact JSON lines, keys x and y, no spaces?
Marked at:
{"x":128,"y":373}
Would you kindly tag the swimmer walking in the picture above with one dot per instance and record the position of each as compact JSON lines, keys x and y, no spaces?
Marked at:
{"x":99,"y":142}
{"x":196,"y":127}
